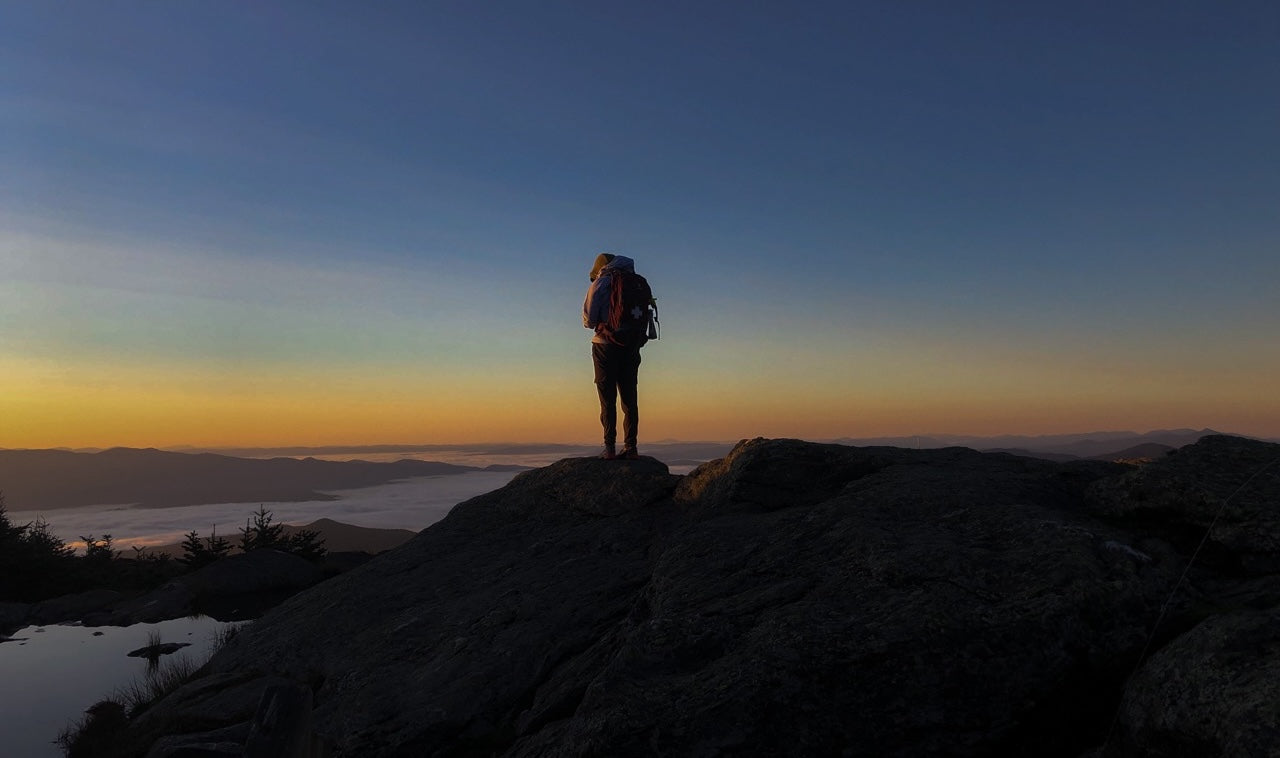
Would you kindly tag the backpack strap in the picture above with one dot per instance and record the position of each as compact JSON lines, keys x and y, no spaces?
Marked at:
{"x":615,"y":300}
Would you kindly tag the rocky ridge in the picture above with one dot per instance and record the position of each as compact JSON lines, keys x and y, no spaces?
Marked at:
{"x":799,"y":599}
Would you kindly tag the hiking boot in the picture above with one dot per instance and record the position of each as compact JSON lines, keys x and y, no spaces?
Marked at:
{"x":609,"y":453}
{"x":629,"y":453}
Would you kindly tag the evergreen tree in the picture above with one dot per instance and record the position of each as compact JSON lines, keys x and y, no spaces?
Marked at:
{"x":260,"y":533}
{"x":98,"y":553}
{"x":217,"y":546}
{"x":197,"y":552}
{"x":8,"y":532}
{"x":42,"y":542}
{"x":34,"y":563}
{"x":194,"y":553}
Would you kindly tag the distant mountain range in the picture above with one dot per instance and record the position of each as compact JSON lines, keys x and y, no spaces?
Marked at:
{"x":663,"y":449}
{"x":1056,"y":447}
{"x":670,"y":451}
{"x":677,"y":452}
{"x":52,"y":479}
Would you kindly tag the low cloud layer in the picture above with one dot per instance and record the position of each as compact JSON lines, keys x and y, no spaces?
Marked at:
{"x":411,"y":504}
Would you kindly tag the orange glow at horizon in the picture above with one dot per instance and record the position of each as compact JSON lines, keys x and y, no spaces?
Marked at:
{"x":887,"y":393}
{"x":481,"y":414}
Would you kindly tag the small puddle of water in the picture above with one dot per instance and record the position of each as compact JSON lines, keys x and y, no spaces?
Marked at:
{"x":49,"y":675}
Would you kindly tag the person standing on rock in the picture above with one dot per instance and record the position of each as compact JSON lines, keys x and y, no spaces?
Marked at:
{"x":621,"y":311}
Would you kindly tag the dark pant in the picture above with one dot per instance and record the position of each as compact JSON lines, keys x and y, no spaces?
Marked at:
{"x":617,"y":369}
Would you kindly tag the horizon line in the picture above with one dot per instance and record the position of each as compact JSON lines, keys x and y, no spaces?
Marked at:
{"x":526,"y":446}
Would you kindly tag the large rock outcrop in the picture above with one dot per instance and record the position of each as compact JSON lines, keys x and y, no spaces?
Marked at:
{"x":805,"y":599}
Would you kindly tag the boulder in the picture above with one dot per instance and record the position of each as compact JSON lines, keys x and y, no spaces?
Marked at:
{"x":227,"y":742}
{"x":1212,"y":691}
{"x":252,"y":572}
{"x":13,"y":616}
{"x":1229,"y":483}
{"x":799,"y":599}
{"x":210,"y":702}
{"x":72,"y":607}
{"x":207,"y":717}
{"x":792,"y":597}
{"x":264,"y":573}
{"x":171,"y":601}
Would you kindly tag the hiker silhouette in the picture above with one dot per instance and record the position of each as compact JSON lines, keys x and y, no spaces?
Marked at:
{"x":619,"y":309}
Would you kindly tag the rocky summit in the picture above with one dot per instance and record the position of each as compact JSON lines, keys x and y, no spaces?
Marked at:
{"x":795,"y":599}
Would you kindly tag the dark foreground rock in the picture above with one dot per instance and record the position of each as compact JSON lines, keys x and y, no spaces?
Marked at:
{"x":236,"y":587}
{"x":73,"y":606}
{"x":1213,"y":691}
{"x":234,"y":580}
{"x":799,"y":599}
{"x":155,"y":651}
{"x":13,"y":616}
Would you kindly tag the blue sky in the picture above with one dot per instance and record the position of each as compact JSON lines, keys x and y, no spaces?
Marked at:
{"x":860,"y":218}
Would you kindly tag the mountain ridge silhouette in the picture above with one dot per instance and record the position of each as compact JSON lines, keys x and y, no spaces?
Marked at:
{"x":151,"y":478}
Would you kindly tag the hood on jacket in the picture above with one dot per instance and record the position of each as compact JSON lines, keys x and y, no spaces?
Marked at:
{"x":619,"y":263}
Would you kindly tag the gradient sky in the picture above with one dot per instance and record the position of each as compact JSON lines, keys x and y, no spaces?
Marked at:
{"x":339,"y":223}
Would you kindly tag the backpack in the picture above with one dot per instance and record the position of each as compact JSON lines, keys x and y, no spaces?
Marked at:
{"x":632,"y":317}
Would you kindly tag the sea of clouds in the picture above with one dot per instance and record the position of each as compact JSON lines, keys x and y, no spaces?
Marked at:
{"x":412,"y":504}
